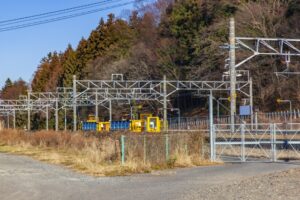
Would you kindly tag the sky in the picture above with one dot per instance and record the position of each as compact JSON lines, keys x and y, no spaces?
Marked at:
{"x":22,"y":50}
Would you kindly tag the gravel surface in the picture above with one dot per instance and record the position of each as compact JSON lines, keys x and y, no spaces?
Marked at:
{"x":24,"y":178}
{"x":282,"y":185}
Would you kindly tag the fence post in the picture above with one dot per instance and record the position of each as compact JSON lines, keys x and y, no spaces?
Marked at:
{"x":243,"y":142}
{"x":273,"y":142}
{"x":122,"y":149}
{"x":285,"y":117}
{"x":167,"y":147}
{"x":214,"y":142}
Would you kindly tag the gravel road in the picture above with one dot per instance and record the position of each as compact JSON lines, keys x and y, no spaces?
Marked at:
{"x":24,"y":178}
{"x":282,"y":185}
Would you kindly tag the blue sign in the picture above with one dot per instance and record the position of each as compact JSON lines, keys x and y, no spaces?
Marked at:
{"x":245,"y":110}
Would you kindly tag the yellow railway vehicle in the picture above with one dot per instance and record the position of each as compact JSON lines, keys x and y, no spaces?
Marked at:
{"x":103,"y":126}
{"x":136,"y":126}
{"x":149,"y":124}
{"x":146,"y":123}
{"x":153,"y":125}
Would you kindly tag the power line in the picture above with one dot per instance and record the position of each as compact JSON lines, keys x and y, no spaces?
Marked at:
{"x":9,"y":28}
{"x":55,"y":13}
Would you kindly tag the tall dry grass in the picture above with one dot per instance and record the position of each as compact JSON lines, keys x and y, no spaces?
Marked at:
{"x":101,"y":154}
{"x":168,"y":150}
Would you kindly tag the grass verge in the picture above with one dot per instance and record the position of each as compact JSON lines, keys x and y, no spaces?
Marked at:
{"x":97,"y":156}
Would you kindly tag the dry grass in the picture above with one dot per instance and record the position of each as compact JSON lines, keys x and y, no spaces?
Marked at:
{"x":100,"y":155}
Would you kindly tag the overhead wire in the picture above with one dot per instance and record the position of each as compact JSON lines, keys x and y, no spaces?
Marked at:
{"x":55,"y":13}
{"x":45,"y":21}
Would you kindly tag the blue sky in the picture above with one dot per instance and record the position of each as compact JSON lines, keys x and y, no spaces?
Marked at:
{"x":21,"y":50}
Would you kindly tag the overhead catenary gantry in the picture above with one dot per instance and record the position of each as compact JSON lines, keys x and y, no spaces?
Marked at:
{"x":44,"y":102}
{"x":62,"y":98}
{"x":6,"y":114}
{"x":150,"y":90}
{"x":24,"y":105}
{"x":258,"y":47}
{"x":268,"y":47}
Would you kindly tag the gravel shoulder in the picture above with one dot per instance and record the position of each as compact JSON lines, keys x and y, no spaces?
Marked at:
{"x":280,"y":185}
{"x":24,"y":178}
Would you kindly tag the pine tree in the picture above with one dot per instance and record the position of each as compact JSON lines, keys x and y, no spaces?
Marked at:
{"x":8,"y":83}
{"x":70,"y":67}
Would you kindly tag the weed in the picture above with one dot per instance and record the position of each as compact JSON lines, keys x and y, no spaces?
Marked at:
{"x":100,"y":155}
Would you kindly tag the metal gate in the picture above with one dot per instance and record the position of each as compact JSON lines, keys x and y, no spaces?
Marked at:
{"x":262,"y":143}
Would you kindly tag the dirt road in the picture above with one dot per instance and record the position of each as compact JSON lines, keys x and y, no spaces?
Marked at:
{"x":24,"y":178}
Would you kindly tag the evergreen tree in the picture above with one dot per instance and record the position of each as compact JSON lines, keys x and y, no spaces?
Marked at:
{"x":70,"y":67}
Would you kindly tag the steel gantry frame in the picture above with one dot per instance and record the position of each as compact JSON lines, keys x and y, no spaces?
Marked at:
{"x":63,"y":99}
{"x":13,"y":106}
{"x":44,"y":102}
{"x":150,"y":90}
{"x":258,"y":47}
{"x":7,"y":114}
{"x":268,"y":47}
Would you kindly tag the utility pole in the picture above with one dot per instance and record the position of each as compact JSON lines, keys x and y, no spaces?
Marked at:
{"x":211,"y":126}
{"x":96,"y":107}
{"x":47,"y":118}
{"x":74,"y":105}
{"x":251,"y":102}
{"x":14,"y":116}
{"x":65,"y":119}
{"x":28,"y":110}
{"x":165,"y":104}
{"x":110,"y":111}
{"x":232,"y":73}
{"x":131,"y":112}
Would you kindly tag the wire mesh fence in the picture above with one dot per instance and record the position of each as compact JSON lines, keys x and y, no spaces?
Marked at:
{"x":268,"y":142}
{"x":165,"y":149}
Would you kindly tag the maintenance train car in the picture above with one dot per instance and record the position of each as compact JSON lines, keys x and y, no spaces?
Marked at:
{"x":146,"y":123}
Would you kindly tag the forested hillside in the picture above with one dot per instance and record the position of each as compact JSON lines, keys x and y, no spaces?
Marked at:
{"x":181,"y":39}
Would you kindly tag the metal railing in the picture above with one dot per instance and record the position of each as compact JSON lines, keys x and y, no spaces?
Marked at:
{"x":269,"y":142}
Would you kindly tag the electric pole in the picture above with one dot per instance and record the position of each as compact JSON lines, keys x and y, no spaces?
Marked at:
{"x":232,"y":73}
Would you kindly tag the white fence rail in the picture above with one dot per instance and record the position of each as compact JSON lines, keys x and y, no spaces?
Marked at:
{"x":269,"y":142}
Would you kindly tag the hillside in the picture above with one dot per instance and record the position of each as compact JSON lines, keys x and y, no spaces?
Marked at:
{"x":180,"y":39}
